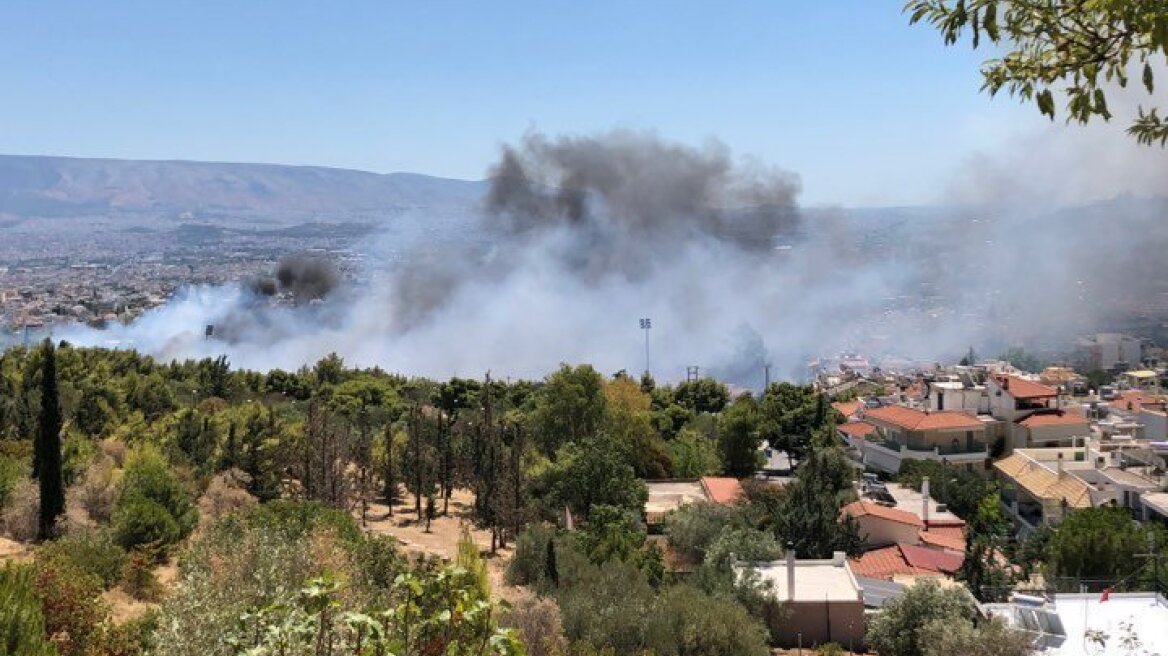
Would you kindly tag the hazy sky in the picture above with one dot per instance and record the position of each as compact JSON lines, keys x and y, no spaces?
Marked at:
{"x":867,"y":109}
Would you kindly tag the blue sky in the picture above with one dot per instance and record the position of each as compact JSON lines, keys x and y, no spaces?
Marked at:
{"x":868,"y":110}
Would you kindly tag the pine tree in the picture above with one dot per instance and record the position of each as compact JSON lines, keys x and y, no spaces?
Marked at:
{"x":47,"y":453}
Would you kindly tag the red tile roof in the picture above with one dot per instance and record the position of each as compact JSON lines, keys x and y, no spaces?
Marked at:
{"x":723,"y":490}
{"x":847,"y":408}
{"x":864,"y":508}
{"x":931,"y":559}
{"x":1059,"y":418}
{"x":945,"y":540}
{"x":856,"y":428}
{"x":1020,"y":388}
{"x":913,"y":419}
{"x":1134,"y":400}
{"x":905,"y":559}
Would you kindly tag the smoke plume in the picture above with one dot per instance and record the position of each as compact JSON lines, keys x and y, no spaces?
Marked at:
{"x":577,"y":238}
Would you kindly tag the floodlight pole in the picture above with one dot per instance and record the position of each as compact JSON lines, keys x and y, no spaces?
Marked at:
{"x":646,"y":324}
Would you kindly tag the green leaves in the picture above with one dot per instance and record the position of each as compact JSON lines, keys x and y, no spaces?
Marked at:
{"x":1060,"y":46}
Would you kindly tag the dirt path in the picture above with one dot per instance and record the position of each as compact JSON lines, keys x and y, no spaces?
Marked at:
{"x":442,"y":539}
{"x":17,"y":552}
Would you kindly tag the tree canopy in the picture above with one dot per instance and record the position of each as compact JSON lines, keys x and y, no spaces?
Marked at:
{"x":1076,"y":48}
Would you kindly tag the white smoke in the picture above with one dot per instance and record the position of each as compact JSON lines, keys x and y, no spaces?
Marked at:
{"x":729,"y":287}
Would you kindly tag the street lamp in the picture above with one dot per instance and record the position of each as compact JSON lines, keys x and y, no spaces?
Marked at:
{"x":646,"y":324}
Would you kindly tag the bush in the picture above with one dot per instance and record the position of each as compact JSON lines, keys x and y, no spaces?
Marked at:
{"x":141,"y":522}
{"x":138,"y":578}
{"x":21,"y":518}
{"x":529,"y":563}
{"x":830,"y":649}
{"x":11,"y":473}
{"x":91,"y":552}
{"x":692,"y":528}
{"x":98,"y":490}
{"x":22,"y":622}
{"x":153,"y":507}
{"x":539,"y":625}
{"x":71,"y":599}
{"x":898,"y":630}
{"x":226,"y":493}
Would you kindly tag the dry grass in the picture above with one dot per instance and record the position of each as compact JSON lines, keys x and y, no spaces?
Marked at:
{"x":442,"y":540}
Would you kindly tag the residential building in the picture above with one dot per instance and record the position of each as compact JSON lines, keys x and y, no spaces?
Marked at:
{"x":907,"y":433}
{"x":1013,"y":397}
{"x":1050,"y":428}
{"x":1090,"y":624}
{"x":1109,"y":351}
{"x":1141,"y":379}
{"x":882,"y":526}
{"x":1035,"y":493}
{"x":666,"y":496}
{"x":823,"y":600}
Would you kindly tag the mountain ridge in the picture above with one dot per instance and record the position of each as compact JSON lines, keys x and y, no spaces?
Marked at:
{"x":49,"y":186}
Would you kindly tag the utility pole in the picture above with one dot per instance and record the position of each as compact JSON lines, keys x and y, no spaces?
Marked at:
{"x":692,"y":373}
{"x":766,"y":377}
{"x":646,"y":324}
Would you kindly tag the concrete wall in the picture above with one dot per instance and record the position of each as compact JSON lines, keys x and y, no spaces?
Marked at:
{"x":1155,"y":424}
{"x":881,"y":532}
{"x":1059,"y":435}
{"x":820,"y":622}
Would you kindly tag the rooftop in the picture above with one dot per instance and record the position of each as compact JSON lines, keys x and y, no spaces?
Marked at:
{"x":1078,"y":615}
{"x":1043,"y":483}
{"x":909,"y":500}
{"x":1020,"y":388}
{"x":856,"y":428}
{"x":905,"y":560}
{"x":864,"y":508}
{"x":1157,"y":501}
{"x":847,"y":408}
{"x":665,"y":496}
{"x":1059,"y":418}
{"x":913,"y":419}
{"x":722,"y":489}
{"x":815,"y":580}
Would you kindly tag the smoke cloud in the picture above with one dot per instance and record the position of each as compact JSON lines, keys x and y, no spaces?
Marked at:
{"x":577,"y":238}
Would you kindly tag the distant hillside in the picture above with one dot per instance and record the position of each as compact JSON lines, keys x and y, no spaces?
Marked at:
{"x":33,"y":186}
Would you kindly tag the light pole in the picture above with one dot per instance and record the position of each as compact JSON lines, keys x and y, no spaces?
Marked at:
{"x":646,"y":324}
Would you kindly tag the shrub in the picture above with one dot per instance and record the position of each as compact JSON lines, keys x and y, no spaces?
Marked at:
{"x":539,"y":625}
{"x":898,"y":630}
{"x":153,"y":506}
{"x":138,"y":578}
{"x":830,"y":649}
{"x":11,"y":472}
{"x":140,"y":522}
{"x":98,"y":489}
{"x":529,"y":563}
{"x":72,"y":605}
{"x":692,"y":528}
{"x":226,"y":493}
{"x":91,"y":552}
{"x":22,"y":622}
{"x":21,"y":518}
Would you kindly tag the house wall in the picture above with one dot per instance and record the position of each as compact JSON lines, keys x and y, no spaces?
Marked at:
{"x":1058,"y":435}
{"x":880,"y":459}
{"x":1155,"y":424}
{"x":881,"y":532}
{"x":820,"y":622}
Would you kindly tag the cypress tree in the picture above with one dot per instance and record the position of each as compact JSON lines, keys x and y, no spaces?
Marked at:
{"x":551,"y":571}
{"x":47,"y":453}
